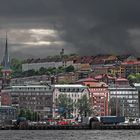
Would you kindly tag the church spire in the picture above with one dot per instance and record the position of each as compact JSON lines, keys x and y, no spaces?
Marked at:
{"x":6,"y":71}
{"x":6,"y":60}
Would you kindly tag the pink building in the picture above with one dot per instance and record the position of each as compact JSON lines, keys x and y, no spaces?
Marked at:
{"x":98,"y":94}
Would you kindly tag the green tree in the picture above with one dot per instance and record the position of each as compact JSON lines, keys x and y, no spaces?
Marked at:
{"x":22,"y":113}
{"x":65,"y":104}
{"x":134,"y":78}
{"x":137,"y":77}
{"x":60,"y":69}
{"x":42,"y":71}
{"x":16,"y":66}
{"x":69,"y":69}
{"x":84,"y":106}
{"x":29,"y":114}
{"x":52,"y":70}
{"x":31,"y":72}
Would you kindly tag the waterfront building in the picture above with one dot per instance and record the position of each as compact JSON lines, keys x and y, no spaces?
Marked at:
{"x":123,"y":99}
{"x":7,"y":113}
{"x":37,"y":98}
{"x":73,"y":91}
{"x":98,"y":95}
{"x":137,"y":85}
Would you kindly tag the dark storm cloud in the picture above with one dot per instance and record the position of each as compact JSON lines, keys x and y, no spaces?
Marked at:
{"x":88,"y":27}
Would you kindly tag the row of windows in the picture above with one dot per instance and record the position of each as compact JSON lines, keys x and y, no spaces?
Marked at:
{"x":125,"y":96}
{"x":70,"y":95}
{"x":30,"y":89}
{"x":74,"y":100}
{"x":70,"y":90}
{"x":98,"y":89}
{"x":29,"y":93}
{"x":124,"y":92}
{"x":34,"y":98}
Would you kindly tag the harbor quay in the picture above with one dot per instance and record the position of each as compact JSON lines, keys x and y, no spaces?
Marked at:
{"x":72,"y":127}
{"x":87,"y":123}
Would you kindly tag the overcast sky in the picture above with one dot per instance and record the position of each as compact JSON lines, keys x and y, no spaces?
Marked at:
{"x":38,"y":28}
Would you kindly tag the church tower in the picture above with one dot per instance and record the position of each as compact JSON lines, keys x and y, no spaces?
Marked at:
{"x":6,"y":70}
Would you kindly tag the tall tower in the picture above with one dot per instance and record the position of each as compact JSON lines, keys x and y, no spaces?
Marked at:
{"x":6,"y":71}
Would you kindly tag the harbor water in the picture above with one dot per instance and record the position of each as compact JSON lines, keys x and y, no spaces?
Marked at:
{"x":69,"y":134}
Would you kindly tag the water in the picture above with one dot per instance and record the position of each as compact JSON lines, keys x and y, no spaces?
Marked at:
{"x":70,"y":135}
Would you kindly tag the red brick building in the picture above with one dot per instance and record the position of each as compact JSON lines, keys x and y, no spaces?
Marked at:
{"x":98,"y":95}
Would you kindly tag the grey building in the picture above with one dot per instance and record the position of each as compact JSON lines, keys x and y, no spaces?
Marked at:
{"x":7,"y":113}
{"x":137,"y":85}
{"x":125,"y":100}
{"x":37,"y":98}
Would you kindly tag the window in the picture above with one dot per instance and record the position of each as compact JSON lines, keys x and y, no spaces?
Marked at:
{"x":77,"y":90}
{"x":68,"y":90}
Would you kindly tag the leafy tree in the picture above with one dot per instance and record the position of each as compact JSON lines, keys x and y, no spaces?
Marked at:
{"x":84,"y":106}
{"x":52,"y":70}
{"x":65,"y":104}
{"x":60,"y":69}
{"x":137,"y":77}
{"x":16,"y":66}
{"x":69,"y":68}
{"x":22,"y":113}
{"x":29,"y":115}
{"x":42,"y":71}
{"x":29,"y":73}
{"x":134,"y":78}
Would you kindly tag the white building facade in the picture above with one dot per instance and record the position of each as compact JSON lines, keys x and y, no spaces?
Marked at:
{"x":37,"y":66}
{"x":74,"y":92}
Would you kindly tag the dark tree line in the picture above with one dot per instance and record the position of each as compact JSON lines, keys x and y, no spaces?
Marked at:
{"x":29,"y":115}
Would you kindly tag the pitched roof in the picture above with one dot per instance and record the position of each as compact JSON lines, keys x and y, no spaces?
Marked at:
{"x":104,"y":75}
{"x":121,"y":79}
{"x":86,"y":80}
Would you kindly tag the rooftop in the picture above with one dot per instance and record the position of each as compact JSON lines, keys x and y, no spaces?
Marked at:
{"x":86,"y":80}
{"x":70,"y":86}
